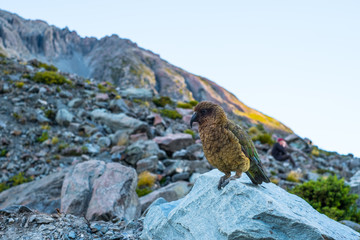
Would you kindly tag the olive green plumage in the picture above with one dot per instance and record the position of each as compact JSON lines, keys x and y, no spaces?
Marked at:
{"x":226,"y":145}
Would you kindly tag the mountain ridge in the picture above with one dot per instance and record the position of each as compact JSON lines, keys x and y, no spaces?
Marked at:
{"x":119,"y":61}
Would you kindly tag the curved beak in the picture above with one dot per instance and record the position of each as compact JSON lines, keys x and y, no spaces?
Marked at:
{"x":194,"y":118}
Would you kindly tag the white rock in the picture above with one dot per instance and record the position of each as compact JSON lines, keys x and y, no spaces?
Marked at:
{"x":240,"y":211}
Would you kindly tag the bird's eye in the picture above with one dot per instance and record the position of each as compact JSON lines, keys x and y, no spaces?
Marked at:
{"x":203,"y":111}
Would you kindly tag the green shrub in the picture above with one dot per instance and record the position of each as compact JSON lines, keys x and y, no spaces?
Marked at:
{"x":191,"y":132}
{"x":162,"y":101}
{"x":19,"y":84}
{"x":264,"y":138}
{"x":44,"y":136}
{"x":173,"y":114}
{"x":49,"y":77}
{"x":184,"y":105}
{"x":293,"y":176}
{"x":331,"y":197}
{"x":193,"y":103}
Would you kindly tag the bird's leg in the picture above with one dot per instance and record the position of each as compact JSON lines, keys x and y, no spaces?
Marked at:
{"x":227,"y":179}
{"x":223,"y":179}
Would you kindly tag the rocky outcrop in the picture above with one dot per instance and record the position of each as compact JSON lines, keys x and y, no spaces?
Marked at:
{"x":100,"y":191}
{"x":240,"y":211}
{"x":119,"y":61}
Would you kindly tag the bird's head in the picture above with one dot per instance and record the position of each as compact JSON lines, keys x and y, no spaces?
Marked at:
{"x":208,"y":113}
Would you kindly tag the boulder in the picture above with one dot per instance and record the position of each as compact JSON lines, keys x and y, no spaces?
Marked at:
{"x":119,"y":121}
{"x":43,"y":194}
{"x":174,"y":142}
{"x":100,"y":191}
{"x":147,"y":164}
{"x":240,"y":211}
{"x":118,"y":105}
{"x":171,"y":192}
{"x":137,"y":93}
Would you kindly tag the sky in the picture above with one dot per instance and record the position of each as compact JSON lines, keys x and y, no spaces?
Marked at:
{"x":296,"y":61}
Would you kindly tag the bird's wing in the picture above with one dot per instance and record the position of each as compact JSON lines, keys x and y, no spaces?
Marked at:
{"x":256,"y":172}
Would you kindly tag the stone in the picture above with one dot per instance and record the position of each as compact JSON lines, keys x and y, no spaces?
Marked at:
{"x":192,"y":152}
{"x":179,"y":166}
{"x":104,"y":142}
{"x":119,"y":121}
{"x":118,"y":105}
{"x":140,"y":150}
{"x":75,"y":103}
{"x":171,"y":192}
{"x":64,"y":117}
{"x":355,"y":186}
{"x":119,"y":138}
{"x":351,"y":224}
{"x":174,"y":142}
{"x":43,"y":194}
{"x":137,"y":93}
{"x":138,"y":136}
{"x":100,"y":191}
{"x":240,"y":211}
{"x":180,"y":176}
{"x":102,"y":97}
{"x":147,"y":164}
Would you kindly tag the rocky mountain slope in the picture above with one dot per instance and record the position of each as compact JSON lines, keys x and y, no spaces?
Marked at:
{"x":72,"y":144}
{"x":118,"y":61}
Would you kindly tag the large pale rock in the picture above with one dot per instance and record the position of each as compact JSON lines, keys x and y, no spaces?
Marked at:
{"x":100,"y":191}
{"x":174,"y":142}
{"x":240,"y":211}
{"x":171,"y":192}
{"x":119,"y":121}
{"x":137,"y":93}
{"x":42,"y":195}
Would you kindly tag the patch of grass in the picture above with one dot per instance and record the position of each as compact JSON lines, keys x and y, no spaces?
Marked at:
{"x":3,"y":152}
{"x":193,"y":103}
{"x":19,"y":84}
{"x":45,"y":127}
{"x":258,"y":133}
{"x":162,"y":101}
{"x":146,"y":179}
{"x":275,"y":180}
{"x":49,"y":77}
{"x":14,"y":181}
{"x":47,"y":67}
{"x":50,"y":114}
{"x":54,"y":140}
{"x":44,"y":136}
{"x":173,"y":114}
{"x":184,"y":105}
{"x":331,"y":197}
{"x":106,"y":87}
{"x":143,"y":191}
{"x":191,"y":132}
{"x":293,"y":176}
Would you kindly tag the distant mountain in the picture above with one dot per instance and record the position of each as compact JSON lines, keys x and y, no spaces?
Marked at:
{"x":119,"y":61}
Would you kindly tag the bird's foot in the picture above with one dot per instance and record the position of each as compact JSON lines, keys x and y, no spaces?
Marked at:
{"x":224,"y":180}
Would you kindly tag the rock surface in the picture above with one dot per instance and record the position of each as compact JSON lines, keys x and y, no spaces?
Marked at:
{"x":240,"y":211}
{"x":100,"y":191}
{"x":42,"y":195}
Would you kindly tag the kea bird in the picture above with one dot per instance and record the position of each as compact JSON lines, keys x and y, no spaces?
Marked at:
{"x":226,"y":145}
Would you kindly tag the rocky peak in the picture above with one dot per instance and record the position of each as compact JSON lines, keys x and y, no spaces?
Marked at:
{"x":120,"y":62}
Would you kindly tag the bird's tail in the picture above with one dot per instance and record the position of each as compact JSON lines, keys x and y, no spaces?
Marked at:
{"x":256,"y":173}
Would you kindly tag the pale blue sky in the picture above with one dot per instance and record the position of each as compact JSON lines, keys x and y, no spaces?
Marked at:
{"x":296,"y":61}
